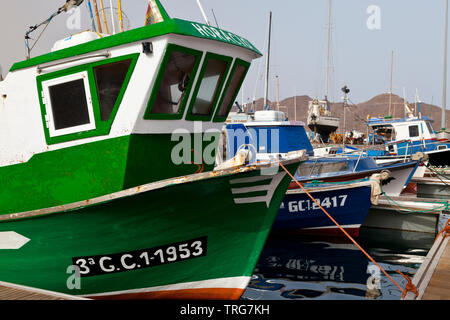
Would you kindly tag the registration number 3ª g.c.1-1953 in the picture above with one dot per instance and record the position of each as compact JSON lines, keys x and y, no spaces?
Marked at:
{"x":139,"y":259}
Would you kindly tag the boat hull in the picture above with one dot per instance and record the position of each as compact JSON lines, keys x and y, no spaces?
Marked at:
{"x":347,"y":204}
{"x":194,"y":239}
{"x":440,"y":158}
{"x":324,"y":130}
{"x":400,"y":175}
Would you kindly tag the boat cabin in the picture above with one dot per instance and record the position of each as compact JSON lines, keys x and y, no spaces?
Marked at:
{"x":407,"y":135}
{"x":102,"y":113}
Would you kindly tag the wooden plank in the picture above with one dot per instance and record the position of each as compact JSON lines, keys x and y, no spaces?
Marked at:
{"x":439,"y":286}
{"x":10,"y":291}
{"x":432,"y":277}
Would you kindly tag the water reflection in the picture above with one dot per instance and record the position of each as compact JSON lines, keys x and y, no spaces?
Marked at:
{"x":334,"y":268}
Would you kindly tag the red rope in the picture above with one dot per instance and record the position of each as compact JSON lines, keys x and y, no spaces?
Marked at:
{"x":345,"y":232}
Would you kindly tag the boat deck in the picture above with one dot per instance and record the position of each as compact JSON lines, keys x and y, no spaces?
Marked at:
{"x":9,"y":291}
{"x":432,"y":277}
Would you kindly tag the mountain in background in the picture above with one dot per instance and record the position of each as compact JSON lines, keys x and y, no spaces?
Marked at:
{"x":378,"y":106}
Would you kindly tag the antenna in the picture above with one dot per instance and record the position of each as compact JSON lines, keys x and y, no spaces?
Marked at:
{"x":66,"y":7}
{"x":203,"y":12}
{"x":217,"y":24}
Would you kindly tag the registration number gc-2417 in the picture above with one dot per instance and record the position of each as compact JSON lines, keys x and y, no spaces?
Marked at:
{"x":139,"y":259}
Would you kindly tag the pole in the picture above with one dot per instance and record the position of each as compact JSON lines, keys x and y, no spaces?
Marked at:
{"x":119,"y":4}
{"x":444,"y":89}
{"x":390,"y":88}
{"x":111,"y":9}
{"x":295,"y":105}
{"x":328,"y":51}
{"x":102,"y":9}
{"x":278,"y":93}
{"x":97,"y":16}
{"x":91,"y":14}
{"x":266,"y":89}
{"x":203,"y":13}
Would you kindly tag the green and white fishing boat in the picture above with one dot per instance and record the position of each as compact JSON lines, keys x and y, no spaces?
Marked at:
{"x":106,"y":172}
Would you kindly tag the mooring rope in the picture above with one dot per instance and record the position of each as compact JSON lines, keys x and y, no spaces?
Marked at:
{"x":409,"y":287}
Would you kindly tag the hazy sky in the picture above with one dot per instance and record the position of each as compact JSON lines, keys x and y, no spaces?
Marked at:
{"x":413,"y":29}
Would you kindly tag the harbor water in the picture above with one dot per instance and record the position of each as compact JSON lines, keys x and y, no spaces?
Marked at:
{"x":333,"y":268}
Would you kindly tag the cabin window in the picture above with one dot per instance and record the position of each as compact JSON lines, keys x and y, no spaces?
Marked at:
{"x":430,"y":128}
{"x":109,"y":79}
{"x":314,"y":169}
{"x":209,"y":87}
{"x":414,"y":131}
{"x":68,"y":104}
{"x":235,"y":82}
{"x":173,"y":84}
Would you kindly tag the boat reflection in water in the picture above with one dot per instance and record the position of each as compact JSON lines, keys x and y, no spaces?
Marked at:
{"x":334,"y":268}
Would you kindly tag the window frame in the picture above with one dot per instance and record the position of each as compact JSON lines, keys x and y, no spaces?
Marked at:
{"x":221,"y":87}
{"x":237,"y":62}
{"x":50,"y":121}
{"x":416,"y":126}
{"x":148,"y":115}
{"x":101,"y":127}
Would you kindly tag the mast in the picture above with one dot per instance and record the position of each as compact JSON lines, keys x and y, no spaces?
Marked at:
{"x":390,"y":87}
{"x":444,"y":89}
{"x":328,"y":50}
{"x":278,"y":93}
{"x":266,"y":89}
{"x":295,"y":105}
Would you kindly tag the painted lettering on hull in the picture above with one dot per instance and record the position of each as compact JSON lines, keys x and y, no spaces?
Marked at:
{"x":308,"y":205}
{"x":147,"y":258}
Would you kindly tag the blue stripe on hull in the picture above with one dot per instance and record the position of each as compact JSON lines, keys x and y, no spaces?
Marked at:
{"x":346,"y":206}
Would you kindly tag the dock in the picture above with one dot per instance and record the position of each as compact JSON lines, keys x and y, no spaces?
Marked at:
{"x":10,"y":291}
{"x":432,"y":278}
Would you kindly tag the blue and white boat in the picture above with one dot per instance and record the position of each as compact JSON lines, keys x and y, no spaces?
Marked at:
{"x":270,"y":136}
{"x":331,"y":180}
{"x":348,"y":203}
{"x":408,"y":136}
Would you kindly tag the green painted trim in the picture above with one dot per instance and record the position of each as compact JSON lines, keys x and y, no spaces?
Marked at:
{"x":209,"y":56}
{"x":148,"y":115}
{"x":101,"y":127}
{"x":237,"y":63}
{"x":175,"y":26}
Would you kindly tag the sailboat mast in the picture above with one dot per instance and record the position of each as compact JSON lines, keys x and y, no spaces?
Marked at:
{"x":390,"y":87}
{"x":266,"y":89}
{"x":444,"y":89}
{"x":328,"y":51}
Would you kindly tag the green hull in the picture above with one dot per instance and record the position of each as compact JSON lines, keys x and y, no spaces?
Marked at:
{"x":90,"y":170}
{"x":232,"y":222}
